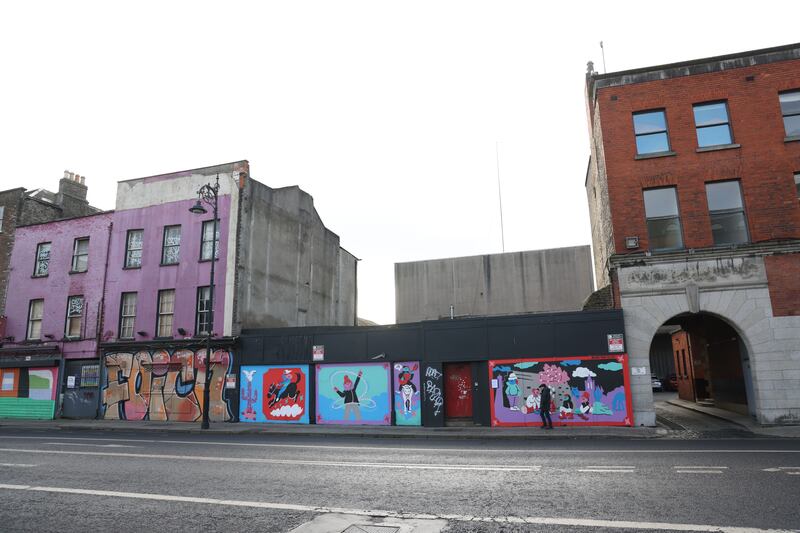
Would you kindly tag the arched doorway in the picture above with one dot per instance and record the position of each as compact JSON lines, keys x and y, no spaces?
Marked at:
{"x":703,"y":358}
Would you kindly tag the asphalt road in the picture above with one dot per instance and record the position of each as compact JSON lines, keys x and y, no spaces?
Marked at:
{"x":79,"y":481}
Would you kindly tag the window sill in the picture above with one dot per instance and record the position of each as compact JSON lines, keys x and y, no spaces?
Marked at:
{"x":207,"y":260}
{"x":168,"y":264}
{"x":654,"y":155}
{"x":71,"y":339}
{"x":718,"y":147}
{"x":71,"y":272}
{"x":791,"y":138}
{"x":131,"y":268}
{"x":40,"y":276}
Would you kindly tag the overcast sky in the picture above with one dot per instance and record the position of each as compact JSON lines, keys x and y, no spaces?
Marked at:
{"x":387,"y":113}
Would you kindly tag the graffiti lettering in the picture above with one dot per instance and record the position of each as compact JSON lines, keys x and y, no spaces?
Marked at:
{"x":162,"y":386}
{"x":434,"y":393}
{"x":431,"y":372}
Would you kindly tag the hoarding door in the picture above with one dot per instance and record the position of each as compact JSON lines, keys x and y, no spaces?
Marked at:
{"x":458,"y":390}
{"x":81,"y":381}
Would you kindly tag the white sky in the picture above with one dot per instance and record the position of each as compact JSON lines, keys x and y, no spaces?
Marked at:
{"x":387,"y":113}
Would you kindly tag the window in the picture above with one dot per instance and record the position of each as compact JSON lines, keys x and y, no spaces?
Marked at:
{"x":790,"y":109}
{"x":728,"y":223}
{"x":35,"y":311}
{"x":72,"y":330}
{"x":171,"y":248}
{"x":202,"y":321}
{"x":713,"y":126}
{"x":797,"y":183}
{"x":42,"y":260}
{"x":166,"y":309}
{"x":133,"y":248}
{"x":2,"y":213}
{"x":663,"y":222}
{"x":208,"y":241}
{"x":650,"y":128}
{"x":127,"y":315}
{"x":80,"y":255}
{"x":90,"y":376}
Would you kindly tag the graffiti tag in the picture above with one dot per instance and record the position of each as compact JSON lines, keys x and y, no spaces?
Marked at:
{"x":434,"y":393}
{"x":431,"y":372}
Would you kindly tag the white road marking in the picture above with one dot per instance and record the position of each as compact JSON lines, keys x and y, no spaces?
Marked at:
{"x":88,"y":444}
{"x":576,"y":522}
{"x":616,"y":470}
{"x":793,"y":473}
{"x":699,"y":471}
{"x":702,"y":467}
{"x":18,"y":465}
{"x":349,"y":464}
{"x":480,"y":449}
{"x":780,"y":468}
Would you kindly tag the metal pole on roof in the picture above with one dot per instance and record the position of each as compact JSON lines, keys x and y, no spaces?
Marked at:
{"x":500,"y":195}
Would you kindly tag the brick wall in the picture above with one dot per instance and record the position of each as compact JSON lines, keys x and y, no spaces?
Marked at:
{"x":764,"y":163}
{"x":10,"y":201}
{"x":783,"y":276}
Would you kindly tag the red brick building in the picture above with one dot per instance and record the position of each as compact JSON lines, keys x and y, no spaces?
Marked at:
{"x":693,"y":189}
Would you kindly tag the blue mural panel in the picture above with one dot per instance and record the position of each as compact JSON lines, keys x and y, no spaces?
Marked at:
{"x":354,"y":394}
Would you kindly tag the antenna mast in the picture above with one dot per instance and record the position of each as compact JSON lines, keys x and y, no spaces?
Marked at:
{"x":603,"y":52}
{"x":500,"y":196}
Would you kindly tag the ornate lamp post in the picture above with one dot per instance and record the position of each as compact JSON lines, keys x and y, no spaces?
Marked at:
{"x":208,"y":195}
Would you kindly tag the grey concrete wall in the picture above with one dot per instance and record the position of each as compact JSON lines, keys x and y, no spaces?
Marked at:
{"x":292,"y":271}
{"x":537,"y":281}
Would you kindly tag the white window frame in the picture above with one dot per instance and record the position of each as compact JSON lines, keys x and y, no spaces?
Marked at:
{"x":166,"y":313}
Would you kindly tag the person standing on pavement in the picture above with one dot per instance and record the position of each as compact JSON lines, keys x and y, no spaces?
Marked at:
{"x":544,"y":406}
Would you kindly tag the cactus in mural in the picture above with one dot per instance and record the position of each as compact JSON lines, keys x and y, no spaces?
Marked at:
{"x":249,"y":396}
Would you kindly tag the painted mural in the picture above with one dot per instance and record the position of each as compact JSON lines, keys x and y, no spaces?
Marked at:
{"x":407,"y":394}
{"x":159,"y":385}
{"x":354,"y":394}
{"x":36,"y":401}
{"x":274,"y":393}
{"x":591,"y":390}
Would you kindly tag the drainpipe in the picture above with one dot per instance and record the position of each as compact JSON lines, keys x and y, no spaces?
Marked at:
{"x":101,"y":309}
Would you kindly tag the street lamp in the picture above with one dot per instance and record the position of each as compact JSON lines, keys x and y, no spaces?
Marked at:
{"x":208,"y":195}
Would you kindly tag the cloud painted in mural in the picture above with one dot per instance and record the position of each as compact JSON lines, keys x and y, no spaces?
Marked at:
{"x":353,"y":394}
{"x":274,"y":393}
{"x":158,"y":385}
{"x":407,"y":394}
{"x":597,"y":392}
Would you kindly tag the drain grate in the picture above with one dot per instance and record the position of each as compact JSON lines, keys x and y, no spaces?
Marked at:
{"x":370,"y":528}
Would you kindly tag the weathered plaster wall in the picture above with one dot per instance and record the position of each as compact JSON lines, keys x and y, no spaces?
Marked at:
{"x":734,"y":289}
{"x":59,"y":284}
{"x":292,"y":272}
{"x":179,"y":186}
{"x":521,"y":282}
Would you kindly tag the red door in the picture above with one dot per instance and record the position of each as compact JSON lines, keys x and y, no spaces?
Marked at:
{"x":684,"y":365}
{"x":458,"y":390}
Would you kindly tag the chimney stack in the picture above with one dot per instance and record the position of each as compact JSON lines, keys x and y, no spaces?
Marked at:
{"x":72,"y":188}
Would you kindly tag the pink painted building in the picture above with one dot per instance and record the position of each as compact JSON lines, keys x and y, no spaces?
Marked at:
{"x":55,"y":294}
{"x":128,"y":292}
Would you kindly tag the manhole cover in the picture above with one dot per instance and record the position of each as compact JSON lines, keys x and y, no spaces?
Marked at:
{"x":369,"y":528}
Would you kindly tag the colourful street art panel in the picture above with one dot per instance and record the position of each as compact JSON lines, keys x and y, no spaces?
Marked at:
{"x":159,"y":385}
{"x":589,"y":390}
{"x":354,"y":394}
{"x":274,"y":393}
{"x":407,"y":394}
{"x":38,"y":402}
